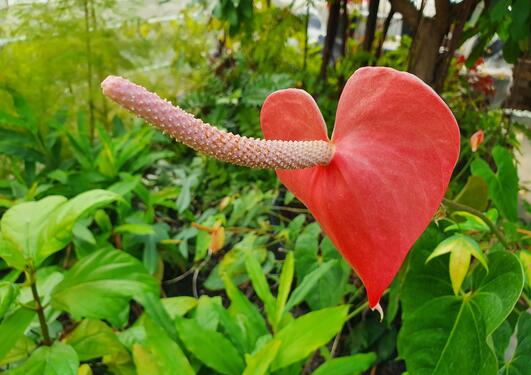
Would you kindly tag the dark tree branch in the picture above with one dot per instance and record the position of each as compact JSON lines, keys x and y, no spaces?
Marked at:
{"x":387,"y":23}
{"x":370,"y":28}
{"x":331,"y":32}
{"x":408,"y":11}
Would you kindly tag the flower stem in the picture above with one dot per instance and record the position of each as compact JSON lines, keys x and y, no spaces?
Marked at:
{"x":39,"y":308}
{"x":461,"y":207}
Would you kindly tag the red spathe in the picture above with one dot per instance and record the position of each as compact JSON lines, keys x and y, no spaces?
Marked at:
{"x":396,"y":147}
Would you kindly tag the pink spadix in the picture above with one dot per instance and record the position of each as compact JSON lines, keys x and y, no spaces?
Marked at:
{"x":373,"y":187}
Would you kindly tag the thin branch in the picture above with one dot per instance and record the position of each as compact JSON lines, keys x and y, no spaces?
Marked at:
{"x":408,"y":10}
{"x":39,"y":308}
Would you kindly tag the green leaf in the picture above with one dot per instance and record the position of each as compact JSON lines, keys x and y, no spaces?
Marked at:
{"x":233,"y":263}
{"x":206,"y":314}
{"x":258,"y":363}
{"x":351,"y":365}
{"x":14,"y":326}
{"x":245,"y":313}
{"x":21,"y":350}
{"x":92,"y":339}
{"x":447,"y":334}
{"x":306,"y":249}
{"x":525,"y":259}
{"x":474,"y":194}
{"x":503,"y":185}
{"x":286,"y":278}
{"x":21,"y":227}
{"x":167,"y":355}
{"x":138,"y":229}
{"x":461,"y":248}
{"x":58,"y":359}
{"x":210,"y":347}
{"x":56,"y":233}
{"x":308,"y":284}
{"x":519,"y":363}
{"x":100,"y":285}
{"x":260,"y":285}
{"x":307,"y":333}
{"x":154,"y":309}
{"x":178,"y":306}
{"x":8,"y":293}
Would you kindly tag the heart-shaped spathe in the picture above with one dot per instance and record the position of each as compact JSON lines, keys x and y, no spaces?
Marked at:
{"x":396,"y":145}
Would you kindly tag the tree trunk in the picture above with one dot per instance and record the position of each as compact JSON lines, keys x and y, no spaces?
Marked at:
{"x":331,"y":32}
{"x":435,"y":38}
{"x":345,"y":23}
{"x":441,"y":70}
{"x":370,"y":27}
{"x":425,"y":53}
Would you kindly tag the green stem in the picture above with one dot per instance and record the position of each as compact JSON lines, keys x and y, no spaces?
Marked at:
{"x":39,"y":308}
{"x":461,"y":207}
{"x":358,"y":310}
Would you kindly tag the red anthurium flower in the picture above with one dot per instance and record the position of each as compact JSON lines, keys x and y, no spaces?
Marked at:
{"x":476,"y":139}
{"x":396,"y":145}
{"x":373,"y":187}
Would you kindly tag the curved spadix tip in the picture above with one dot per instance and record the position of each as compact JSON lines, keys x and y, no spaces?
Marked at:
{"x":378,"y":308}
{"x":110,"y":84}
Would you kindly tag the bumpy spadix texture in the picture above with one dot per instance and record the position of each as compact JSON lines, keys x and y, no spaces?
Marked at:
{"x":373,"y":188}
{"x":396,"y":146}
{"x":185,"y":128}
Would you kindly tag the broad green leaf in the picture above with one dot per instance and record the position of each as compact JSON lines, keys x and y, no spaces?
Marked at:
{"x":154,"y":309}
{"x":472,"y":222}
{"x":306,"y":250}
{"x":167,"y":356}
{"x":258,"y":363}
{"x":307,"y":333}
{"x":138,"y":229}
{"x":519,"y":363}
{"x":21,"y":227}
{"x":210,"y":347}
{"x":92,"y":339}
{"x":145,"y":362}
{"x":503,"y":185}
{"x":474,"y":194}
{"x":351,"y":365}
{"x":308,"y":284}
{"x":233,"y":331}
{"x":84,"y":369}
{"x":447,"y":334}
{"x":286,"y":278}
{"x":525,"y":259}
{"x":178,"y":306}
{"x":8,"y":293}
{"x":459,"y":264}
{"x":13,"y":326}
{"x":461,"y":248}
{"x":206,"y":314}
{"x":22,"y":349}
{"x":245,"y":313}
{"x":334,"y":284}
{"x":57,"y":230}
{"x":100,"y":285}
{"x":260,"y":285}
{"x":58,"y":359}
